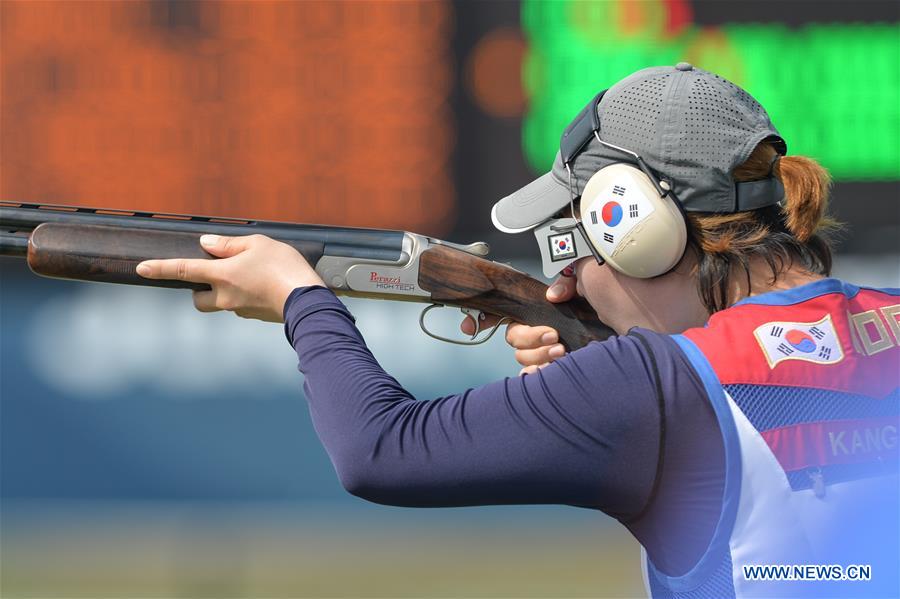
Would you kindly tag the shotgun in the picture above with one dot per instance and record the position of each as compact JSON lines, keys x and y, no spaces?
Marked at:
{"x":95,"y":244}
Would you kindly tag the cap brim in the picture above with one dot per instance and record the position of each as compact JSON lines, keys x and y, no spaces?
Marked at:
{"x":531,"y":205}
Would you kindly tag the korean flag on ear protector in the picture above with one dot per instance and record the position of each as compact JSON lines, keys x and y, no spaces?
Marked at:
{"x":616,"y":211}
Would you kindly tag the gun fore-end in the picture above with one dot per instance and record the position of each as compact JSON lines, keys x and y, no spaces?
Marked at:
{"x":460,"y":279}
{"x":111,"y":254}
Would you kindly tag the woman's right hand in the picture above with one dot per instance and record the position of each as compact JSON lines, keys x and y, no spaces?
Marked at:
{"x":536,"y":346}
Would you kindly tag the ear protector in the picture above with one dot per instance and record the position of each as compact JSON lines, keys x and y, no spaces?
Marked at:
{"x":628,"y":223}
{"x":628,"y":218}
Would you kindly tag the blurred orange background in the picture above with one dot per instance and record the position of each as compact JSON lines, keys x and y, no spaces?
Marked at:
{"x":318,"y":112}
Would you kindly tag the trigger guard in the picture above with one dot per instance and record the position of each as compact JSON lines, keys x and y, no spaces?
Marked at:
{"x":478,"y":315}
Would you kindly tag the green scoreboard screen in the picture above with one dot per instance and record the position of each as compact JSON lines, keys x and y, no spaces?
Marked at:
{"x":830,"y":89}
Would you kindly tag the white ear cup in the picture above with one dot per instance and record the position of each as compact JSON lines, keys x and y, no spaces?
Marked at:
{"x":637,"y":232}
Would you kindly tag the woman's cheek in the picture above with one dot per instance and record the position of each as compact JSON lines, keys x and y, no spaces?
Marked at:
{"x":586,"y":287}
{"x":599,"y":287}
{"x":591,"y":279}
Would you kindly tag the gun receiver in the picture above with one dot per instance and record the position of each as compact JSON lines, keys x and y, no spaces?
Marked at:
{"x":103,"y":245}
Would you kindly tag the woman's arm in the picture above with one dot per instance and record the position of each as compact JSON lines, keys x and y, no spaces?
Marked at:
{"x":563,"y":435}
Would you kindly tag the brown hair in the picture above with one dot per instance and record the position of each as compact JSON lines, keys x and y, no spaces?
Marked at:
{"x":793,"y":232}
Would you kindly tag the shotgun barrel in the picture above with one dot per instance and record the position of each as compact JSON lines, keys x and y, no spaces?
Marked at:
{"x":349,"y":242}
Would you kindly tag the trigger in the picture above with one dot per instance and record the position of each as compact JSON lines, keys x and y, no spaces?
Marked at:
{"x":477,"y":316}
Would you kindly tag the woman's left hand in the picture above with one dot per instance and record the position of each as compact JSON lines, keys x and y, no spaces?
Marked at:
{"x":253,"y":278}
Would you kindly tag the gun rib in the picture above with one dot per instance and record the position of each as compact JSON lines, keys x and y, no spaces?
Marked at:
{"x":351,"y":242}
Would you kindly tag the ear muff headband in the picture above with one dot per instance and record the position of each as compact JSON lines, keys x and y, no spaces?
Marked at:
{"x":580,"y":131}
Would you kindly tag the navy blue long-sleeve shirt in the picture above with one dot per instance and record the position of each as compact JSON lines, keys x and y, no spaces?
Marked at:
{"x":584,"y":431}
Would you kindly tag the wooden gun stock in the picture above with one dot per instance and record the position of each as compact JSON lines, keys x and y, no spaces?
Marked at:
{"x":460,"y":279}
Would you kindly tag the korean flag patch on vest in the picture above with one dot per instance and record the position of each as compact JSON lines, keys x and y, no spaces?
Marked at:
{"x":815,"y":342}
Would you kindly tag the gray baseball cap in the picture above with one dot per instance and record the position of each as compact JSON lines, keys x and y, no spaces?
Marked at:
{"x":691,"y":127}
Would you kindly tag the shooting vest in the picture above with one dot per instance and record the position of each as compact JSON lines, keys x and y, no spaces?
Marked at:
{"x":804,"y":384}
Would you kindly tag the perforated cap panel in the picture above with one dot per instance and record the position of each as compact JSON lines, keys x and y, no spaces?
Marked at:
{"x":712,"y":125}
{"x":631,"y":117}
